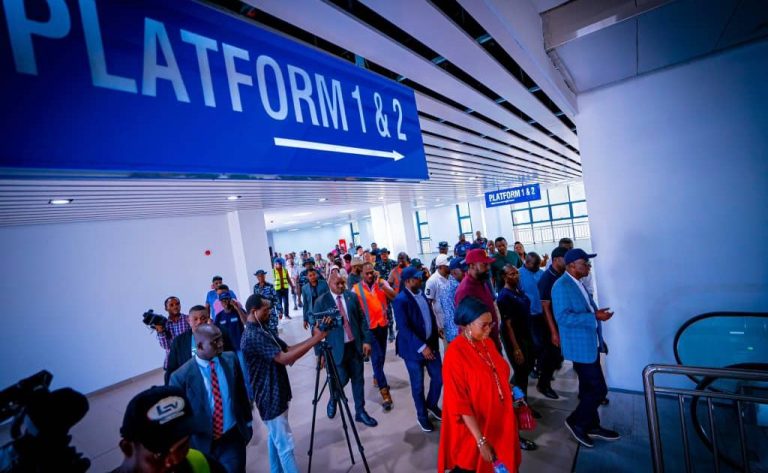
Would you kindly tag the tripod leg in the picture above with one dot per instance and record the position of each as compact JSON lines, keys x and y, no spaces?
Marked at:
{"x":336,"y":384}
{"x":314,"y":414}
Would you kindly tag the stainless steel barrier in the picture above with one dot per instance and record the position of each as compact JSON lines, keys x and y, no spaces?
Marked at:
{"x":652,"y":390}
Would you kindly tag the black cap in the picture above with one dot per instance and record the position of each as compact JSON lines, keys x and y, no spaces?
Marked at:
{"x":442,"y":244}
{"x":309,"y":260}
{"x":158,"y":418}
{"x":259,"y":272}
{"x":384,"y":250}
{"x":416,"y":263}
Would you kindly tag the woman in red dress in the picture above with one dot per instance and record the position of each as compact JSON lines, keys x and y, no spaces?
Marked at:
{"x":479,"y":424}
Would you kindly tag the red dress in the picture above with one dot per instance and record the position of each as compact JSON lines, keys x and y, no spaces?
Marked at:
{"x":469,"y":388}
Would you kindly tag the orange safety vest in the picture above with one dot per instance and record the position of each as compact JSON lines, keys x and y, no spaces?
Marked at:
{"x":281,"y":279}
{"x":395,"y":275}
{"x":374,"y":304}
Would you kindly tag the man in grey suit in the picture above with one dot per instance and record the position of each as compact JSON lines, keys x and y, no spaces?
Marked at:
{"x":213,"y":382}
{"x":350,"y":341}
{"x":315,"y":288}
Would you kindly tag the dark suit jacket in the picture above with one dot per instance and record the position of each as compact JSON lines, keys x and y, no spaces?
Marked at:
{"x":189,"y":378}
{"x":357,"y":319}
{"x":181,"y":351}
{"x":307,"y":300}
{"x":411,"y":332}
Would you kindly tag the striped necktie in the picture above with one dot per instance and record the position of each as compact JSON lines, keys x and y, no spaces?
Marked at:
{"x":218,"y":407}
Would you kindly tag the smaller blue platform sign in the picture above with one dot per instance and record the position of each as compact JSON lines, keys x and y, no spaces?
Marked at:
{"x":514,"y":195}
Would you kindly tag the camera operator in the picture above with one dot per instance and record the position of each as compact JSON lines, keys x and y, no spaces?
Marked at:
{"x":176,"y":325}
{"x":266,"y":357}
{"x":350,"y":340}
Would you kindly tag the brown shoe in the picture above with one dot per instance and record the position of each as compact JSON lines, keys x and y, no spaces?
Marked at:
{"x":375,"y":383}
{"x":387,"y":403}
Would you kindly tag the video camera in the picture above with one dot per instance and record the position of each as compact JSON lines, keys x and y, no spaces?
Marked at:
{"x":152,"y":320}
{"x":40,"y":429}
{"x":334,"y":314}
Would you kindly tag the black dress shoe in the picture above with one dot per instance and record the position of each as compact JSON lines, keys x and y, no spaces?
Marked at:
{"x":526,"y":444}
{"x":548,"y":392}
{"x":331,"y":410}
{"x":579,"y":435}
{"x":363,"y":417}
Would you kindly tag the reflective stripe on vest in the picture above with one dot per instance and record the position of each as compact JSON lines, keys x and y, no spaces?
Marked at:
{"x":281,"y":282}
{"x":197,"y":462}
{"x":372,"y":300}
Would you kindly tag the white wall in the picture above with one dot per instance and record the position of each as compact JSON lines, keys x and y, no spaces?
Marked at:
{"x":315,"y":240}
{"x":75,"y":293}
{"x":676,"y":175}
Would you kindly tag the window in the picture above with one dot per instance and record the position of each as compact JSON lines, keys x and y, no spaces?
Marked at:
{"x":354,"y":229}
{"x":561,"y":212}
{"x":465,"y":220}
{"x":422,"y":228}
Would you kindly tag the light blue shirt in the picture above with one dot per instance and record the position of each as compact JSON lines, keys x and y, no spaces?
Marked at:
{"x":529,"y":283}
{"x":226,"y":400}
{"x":425,"y":314}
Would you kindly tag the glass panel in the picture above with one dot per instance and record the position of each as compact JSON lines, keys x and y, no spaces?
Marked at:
{"x":580,"y":209}
{"x":424,"y":230}
{"x":558,"y":195}
{"x":463,"y":209}
{"x":466,"y":225}
{"x":543,"y":201}
{"x":422,"y":215}
{"x":577,"y":191}
{"x":541,"y":214}
{"x":521,"y":205}
{"x":561,"y":211}
{"x":521,"y":216}
{"x":426,"y":246}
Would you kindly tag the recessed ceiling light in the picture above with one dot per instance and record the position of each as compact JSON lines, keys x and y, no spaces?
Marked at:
{"x":293,"y":230}
{"x":473,"y":178}
{"x":318,"y":226}
{"x":347,"y":211}
{"x":302,"y":214}
{"x":438,"y":205}
{"x":479,"y":195}
{"x":234,"y":197}
{"x":322,"y":199}
{"x":290,"y":222}
{"x":60,"y":201}
{"x":381,"y":197}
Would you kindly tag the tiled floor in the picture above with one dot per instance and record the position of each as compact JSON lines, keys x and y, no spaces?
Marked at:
{"x":397,"y":444}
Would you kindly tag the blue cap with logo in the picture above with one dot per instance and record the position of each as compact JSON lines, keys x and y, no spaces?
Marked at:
{"x":411,"y":272}
{"x":577,"y":254}
{"x":458,"y":263}
{"x":225,"y":295}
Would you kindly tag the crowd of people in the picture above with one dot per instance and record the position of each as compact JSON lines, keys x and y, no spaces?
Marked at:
{"x":475,"y":305}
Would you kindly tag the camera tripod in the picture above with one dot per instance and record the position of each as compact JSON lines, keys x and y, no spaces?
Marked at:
{"x":334,"y":388}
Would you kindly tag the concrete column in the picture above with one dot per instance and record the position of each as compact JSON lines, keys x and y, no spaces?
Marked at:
{"x":394,"y":228}
{"x":250,"y":247}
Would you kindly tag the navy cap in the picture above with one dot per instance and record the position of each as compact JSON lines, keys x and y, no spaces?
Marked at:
{"x":309,"y":260}
{"x":442,"y":244}
{"x":410,"y":272}
{"x":577,"y":254}
{"x":559,"y":252}
{"x":259,"y":272}
{"x":416,"y":263}
{"x":225,"y":295}
{"x":457,"y":263}
{"x":384,"y":250}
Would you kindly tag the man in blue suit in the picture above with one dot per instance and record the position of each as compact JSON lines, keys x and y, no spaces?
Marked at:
{"x":350,"y":341}
{"x":417,"y":344}
{"x":310,"y":292}
{"x":213,"y":382}
{"x":581,"y":339}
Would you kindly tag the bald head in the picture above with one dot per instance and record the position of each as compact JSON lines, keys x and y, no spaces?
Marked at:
{"x":209,"y":341}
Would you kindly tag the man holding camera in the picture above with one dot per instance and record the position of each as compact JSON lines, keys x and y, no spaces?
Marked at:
{"x":174,"y":326}
{"x":350,"y":340}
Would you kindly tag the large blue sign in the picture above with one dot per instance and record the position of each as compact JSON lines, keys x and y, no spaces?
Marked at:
{"x":513,"y":195}
{"x":177,"y":88}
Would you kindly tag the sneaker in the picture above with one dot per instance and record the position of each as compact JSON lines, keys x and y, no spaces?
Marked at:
{"x":605,"y":434}
{"x":425,"y":424}
{"x":549,"y":393}
{"x":579,"y":435}
{"x":526,"y":444}
{"x":436,"y":412}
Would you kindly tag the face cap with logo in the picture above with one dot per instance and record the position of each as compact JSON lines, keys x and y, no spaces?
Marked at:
{"x":158,"y":418}
{"x":577,"y":254}
{"x":411,"y":273}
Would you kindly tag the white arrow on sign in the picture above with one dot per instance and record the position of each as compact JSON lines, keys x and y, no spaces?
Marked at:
{"x":337,"y":148}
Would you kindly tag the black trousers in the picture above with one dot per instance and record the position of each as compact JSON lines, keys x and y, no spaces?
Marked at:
{"x":520,"y":372}
{"x":547,"y":354}
{"x":282,"y":296}
{"x":592,"y":390}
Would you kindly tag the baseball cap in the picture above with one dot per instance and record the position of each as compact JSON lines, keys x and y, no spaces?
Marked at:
{"x":559,"y":252}
{"x":259,"y":272}
{"x":158,"y":418}
{"x":577,"y":254}
{"x":477,"y":256}
{"x":442,"y":260}
{"x":309,"y":260}
{"x":457,"y":263}
{"x":411,"y":272}
{"x":384,"y":250}
{"x":442,"y":244}
{"x":416,"y":263}
{"x":225,"y":295}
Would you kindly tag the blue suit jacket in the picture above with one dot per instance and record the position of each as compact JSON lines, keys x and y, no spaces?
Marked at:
{"x":357,"y":320}
{"x":307,"y":300}
{"x":579,"y":336}
{"x":411,"y":332}
{"x":189,"y":378}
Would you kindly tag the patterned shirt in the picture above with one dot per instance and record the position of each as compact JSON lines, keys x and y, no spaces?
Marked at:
{"x":269,"y":379}
{"x":385,"y":267}
{"x":172,"y":330}
{"x":447,"y":305}
{"x":268,"y":292}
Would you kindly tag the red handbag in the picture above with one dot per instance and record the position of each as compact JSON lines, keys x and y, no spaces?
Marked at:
{"x":525,"y":419}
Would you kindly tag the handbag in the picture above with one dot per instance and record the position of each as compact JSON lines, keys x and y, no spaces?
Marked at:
{"x":525,"y":419}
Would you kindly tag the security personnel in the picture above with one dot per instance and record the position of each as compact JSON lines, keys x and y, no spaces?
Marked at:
{"x":282,"y":284}
{"x":442,"y":248}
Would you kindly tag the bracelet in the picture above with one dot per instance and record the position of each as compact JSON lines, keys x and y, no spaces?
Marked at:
{"x":482,"y":441}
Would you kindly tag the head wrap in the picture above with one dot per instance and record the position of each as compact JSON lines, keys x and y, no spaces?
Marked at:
{"x":468,"y":310}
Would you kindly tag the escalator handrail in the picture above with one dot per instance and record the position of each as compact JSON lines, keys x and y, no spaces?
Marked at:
{"x":707,"y":315}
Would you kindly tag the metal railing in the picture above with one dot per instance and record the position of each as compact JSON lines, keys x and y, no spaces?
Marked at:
{"x":552,"y":233}
{"x":699,"y":393}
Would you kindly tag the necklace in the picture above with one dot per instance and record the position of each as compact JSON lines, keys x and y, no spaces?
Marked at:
{"x":486,"y":357}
